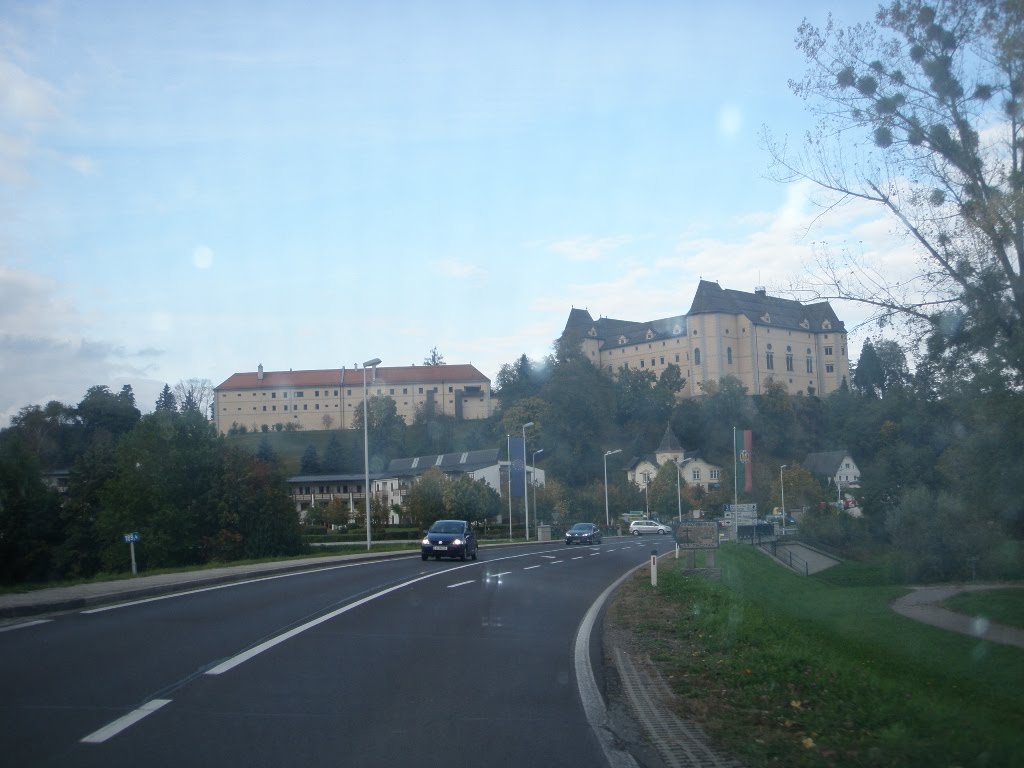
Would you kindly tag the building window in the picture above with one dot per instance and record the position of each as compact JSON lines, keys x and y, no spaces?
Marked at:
{"x":828,"y":351}
{"x":450,"y":390}
{"x":728,"y":355}
{"x":696,"y":356}
{"x":391,"y":391}
{"x":677,"y":357}
{"x":829,"y":368}
{"x":274,"y":407}
{"x":300,"y":394}
{"x":641,"y":363}
{"x":316,"y":393}
{"x":810,"y":362}
{"x":286,"y":407}
{"x":696,"y":474}
{"x":264,"y":407}
{"x":405,"y":390}
{"x":789,"y":358}
{"x":335,"y":393}
{"x":273,"y":395}
{"x":284,"y":395}
{"x":769,"y":359}
{"x":715,"y":474}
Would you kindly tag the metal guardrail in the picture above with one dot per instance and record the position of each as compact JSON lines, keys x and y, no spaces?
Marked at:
{"x":795,"y":562}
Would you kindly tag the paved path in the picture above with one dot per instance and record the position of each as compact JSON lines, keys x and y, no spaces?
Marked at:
{"x":925,"y":604}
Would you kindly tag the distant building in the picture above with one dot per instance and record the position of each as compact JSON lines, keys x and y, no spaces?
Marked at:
{"x":833,"y":468}
{"x":752,"y":336}
{"x":393,"y":484}
{"x":693,"y":469}
{"x":330,"y":399}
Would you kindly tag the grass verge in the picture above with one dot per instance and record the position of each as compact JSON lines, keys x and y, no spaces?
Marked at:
{"x":782,"y":669}
{"x":1005,"y":606}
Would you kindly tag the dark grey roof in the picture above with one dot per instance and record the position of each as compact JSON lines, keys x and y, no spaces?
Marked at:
{"x":349,"y":478}
{"x":711,"y":298}
{"x":669,"y":442}
{"x":825,"y":463}
{"x":466,"y":461}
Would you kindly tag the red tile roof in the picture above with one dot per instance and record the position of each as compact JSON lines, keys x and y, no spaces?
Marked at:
{"x":332,"y":377}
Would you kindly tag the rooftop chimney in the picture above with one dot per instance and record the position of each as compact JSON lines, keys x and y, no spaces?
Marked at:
{"x":760,"y":291}
{"x":259,"y":372}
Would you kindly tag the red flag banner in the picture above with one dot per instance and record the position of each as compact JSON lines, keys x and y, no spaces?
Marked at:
{"x":744,"y":460}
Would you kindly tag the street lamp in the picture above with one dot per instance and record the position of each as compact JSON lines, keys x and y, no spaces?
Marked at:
{"x":782,"y":486}
{"x":607,"y":519}
{"x":534,"y":484}
{"x":679,"y":491}
{"x":366,"y":446}
{"x":508,"y":442}
{"x":526,"y":490}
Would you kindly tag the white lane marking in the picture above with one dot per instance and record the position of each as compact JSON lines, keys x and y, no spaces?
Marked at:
{"x":232,"y":584}
{"x":243,"y":657}
{"x":462,"y":584}
{"x":578,"y":558}
{"x":594,"y":554}
{"x":550,"y":557}
{"x":114,"y":728}
{"x":530,"y":567}
{"x":26,"y":624}
{"x":498,"y":575}
{"x":556,"y":562}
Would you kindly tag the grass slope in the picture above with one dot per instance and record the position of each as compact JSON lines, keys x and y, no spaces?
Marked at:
{"x":788,"y":670}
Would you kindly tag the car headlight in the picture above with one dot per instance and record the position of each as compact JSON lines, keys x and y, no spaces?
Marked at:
{"x":457,"y":542}
{"x":425,"y":542}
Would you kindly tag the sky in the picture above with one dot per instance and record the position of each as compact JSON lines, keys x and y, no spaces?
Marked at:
{"x":191,"y":189}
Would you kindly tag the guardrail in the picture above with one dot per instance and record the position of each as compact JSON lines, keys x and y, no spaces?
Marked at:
{"x":795,"y":562}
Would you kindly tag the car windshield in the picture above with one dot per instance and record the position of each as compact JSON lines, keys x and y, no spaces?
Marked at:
{"x":581,"y":527}
{"x":447,"y":526}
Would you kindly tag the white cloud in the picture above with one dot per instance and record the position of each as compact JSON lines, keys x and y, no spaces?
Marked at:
{"x":202,"y":257}
{"x":588,"y":248}
{"x":457,"y":269}
{"x":25,"y":98}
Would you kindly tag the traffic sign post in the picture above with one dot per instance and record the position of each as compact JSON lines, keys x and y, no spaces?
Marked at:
{"x":130,"y":539}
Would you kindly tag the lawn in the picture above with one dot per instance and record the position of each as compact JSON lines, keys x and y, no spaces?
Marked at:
{"x":783,"y":669}
{"x":1005,"y":606}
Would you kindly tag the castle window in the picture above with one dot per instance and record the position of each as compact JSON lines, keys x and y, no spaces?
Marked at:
{"x":828,"y":351}
{"x":728,"y":355}
{"x":696,"y":357}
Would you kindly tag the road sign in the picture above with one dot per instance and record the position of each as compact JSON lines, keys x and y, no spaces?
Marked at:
{"x":130,"y":537}
{"x":697,"y":534}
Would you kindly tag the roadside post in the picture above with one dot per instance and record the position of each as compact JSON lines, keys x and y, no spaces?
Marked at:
{"x":130,"y":539}
{"x":654,"y":567}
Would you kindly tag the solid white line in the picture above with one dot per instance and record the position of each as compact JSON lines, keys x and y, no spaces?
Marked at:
{"x":462,"y":584}
{"x":114,"y":728}
{"x":243,"y":657}
{"x":26,"y":624}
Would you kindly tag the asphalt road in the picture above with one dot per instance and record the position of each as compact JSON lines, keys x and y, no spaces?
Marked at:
{"x":392,"y":662}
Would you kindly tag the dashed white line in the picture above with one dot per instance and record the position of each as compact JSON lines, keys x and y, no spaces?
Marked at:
{"x":530,"y":567}
{"x":462,"y":584}
{"x":114,"y":728}
{"x":578,"y":558}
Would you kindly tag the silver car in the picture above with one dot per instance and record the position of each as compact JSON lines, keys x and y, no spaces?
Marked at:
{"x":638,"y":527}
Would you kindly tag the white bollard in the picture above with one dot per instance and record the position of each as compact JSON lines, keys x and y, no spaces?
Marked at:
{"x":654,"y":568}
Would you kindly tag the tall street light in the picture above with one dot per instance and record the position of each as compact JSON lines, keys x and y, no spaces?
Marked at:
{"x":781,"y":484}
{"x":508,"y":441}
{"x":366,"y":445}
{"x":526,"y":490}
{"x":534,"y":484}
{"x":607,"y":519}
{"x":679,"y":491}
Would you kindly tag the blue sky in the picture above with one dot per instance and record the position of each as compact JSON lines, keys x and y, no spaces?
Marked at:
{"x":188,"y":190}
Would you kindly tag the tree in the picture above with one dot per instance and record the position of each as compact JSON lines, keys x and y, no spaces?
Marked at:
{"x":469,"y":499}
{"x":195,"y":395}
{"x":166,"y":401}
{"x":334,"y":455}
{"x":922,"y":114}
{"x":386,"y":429}
{"x":434,"y":358}
{"x":310,"y":464}
{"x":665,"y":493}
{"x":425,"y":500}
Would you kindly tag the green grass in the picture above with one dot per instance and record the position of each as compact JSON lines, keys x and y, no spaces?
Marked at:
{"x":1004,"y":606}
{"x":789,"y":670}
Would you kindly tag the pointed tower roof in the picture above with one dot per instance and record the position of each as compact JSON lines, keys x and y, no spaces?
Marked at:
{"x":669,"y":442}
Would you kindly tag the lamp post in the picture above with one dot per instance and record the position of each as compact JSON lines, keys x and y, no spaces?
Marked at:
{"x":508,"y":442}
{"x":366,"y":447}
{"x":679,"y":491}
{"x":526,"y":490}
{"x":782,"y":487}
{"x":607,"y":519}
{"x":534,"y":484}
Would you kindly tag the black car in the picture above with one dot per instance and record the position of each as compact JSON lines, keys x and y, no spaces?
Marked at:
{"x":583,"y":533}
{"x":449,"y":538}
